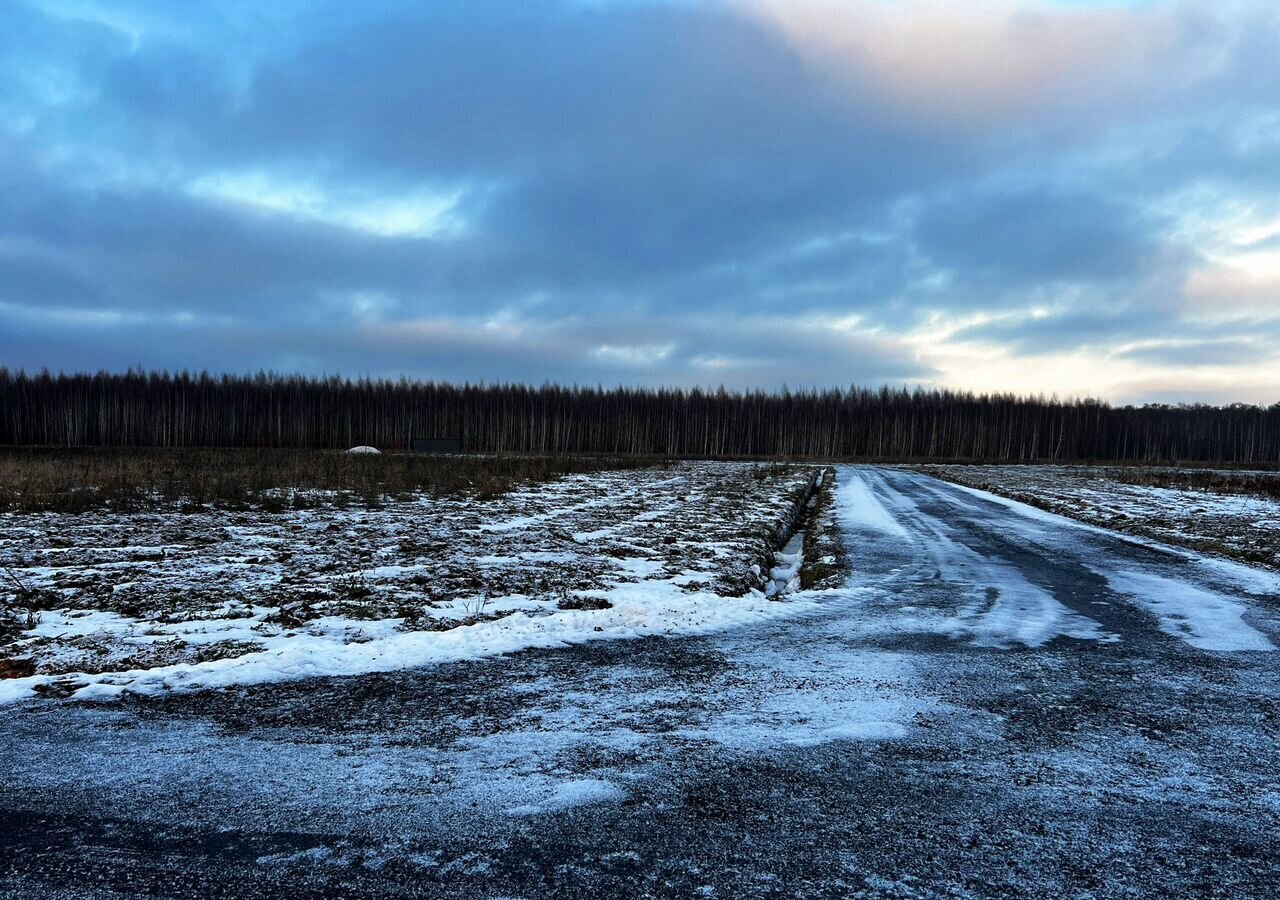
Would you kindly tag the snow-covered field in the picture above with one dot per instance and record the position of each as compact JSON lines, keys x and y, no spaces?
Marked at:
{"x":996,"y":701}
{"x":1237,"y":525}
{"x":101,"y":602}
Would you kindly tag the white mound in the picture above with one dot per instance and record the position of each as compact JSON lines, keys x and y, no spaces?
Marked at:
{"x":365,"y":449}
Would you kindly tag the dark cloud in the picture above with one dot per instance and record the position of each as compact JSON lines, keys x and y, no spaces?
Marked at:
{"x":1070,"y":330}
{"x":689,"y":350}
{"x":1034,"y":236}
{"x":646,"y":192}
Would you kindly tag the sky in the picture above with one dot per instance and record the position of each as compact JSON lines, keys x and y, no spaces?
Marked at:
{"x":1070,"y":198}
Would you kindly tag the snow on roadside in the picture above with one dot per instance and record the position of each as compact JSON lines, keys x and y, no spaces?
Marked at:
{"x":653,"y":608}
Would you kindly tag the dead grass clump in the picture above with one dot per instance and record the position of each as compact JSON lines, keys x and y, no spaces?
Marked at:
{"x":826,"y":562}
{"x":579,"y":602}
{"x":424,"y":623}
{"x":17,"y":667}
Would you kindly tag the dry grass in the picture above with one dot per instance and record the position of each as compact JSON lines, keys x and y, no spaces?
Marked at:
{"x":51,"y":480}
{"x":826,"y":563}
{"x":1255,"y":484}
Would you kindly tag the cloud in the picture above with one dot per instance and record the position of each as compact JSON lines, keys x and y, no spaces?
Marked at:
{"x":1203,"y":353}
{"x":749,"y":192}
{"x":975,"y":62}
{"x":1038,"y":235}
{"x":685,"y":350}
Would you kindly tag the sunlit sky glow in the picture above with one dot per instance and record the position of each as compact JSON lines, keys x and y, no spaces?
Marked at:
{"x":1058,"y":197}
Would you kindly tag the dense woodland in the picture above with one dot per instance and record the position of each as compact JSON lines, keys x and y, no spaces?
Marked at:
{"x":138,"y":409}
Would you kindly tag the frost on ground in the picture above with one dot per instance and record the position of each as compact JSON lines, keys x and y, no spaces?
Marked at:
{"x":102,"y":602}
{"x":1197,"y":511}
{"x":997,"y":702}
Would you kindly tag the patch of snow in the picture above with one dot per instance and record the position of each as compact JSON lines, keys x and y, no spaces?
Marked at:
{"x":568,"y":794}
{"x":79,"y":622}
{"x":1203,"y":618}
{"x":870,"y":730}
{"x":639,"y":567}
{"x":641,"y":609}
{"x":784,"y":578}
{"x":858,"y":507}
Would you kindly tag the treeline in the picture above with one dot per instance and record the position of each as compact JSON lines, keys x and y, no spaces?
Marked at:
{"x":138,"y":409}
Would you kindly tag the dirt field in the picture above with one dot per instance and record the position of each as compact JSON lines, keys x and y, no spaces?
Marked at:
{"x":179,"y":593}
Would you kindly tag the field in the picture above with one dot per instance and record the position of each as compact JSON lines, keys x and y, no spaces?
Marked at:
{"x":309,"y":675}
{"x":1226,"y":512}
{"x":165,"y":577}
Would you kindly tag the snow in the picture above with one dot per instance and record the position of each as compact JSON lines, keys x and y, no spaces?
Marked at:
{"x":1203,"y":618}
{"x":916,"y":573}
{"x":848,"y":696}
{"x":1241,"y":577}
{"x":365,"y":450}
{"x":568,"y":794}
{"x":784,"y":578}
{"x":641,"y":609}
{"x":871,"y":730}
{"x":639,"y":567}
{"x":1194,"y":515}
{"x":858,"y":507}
{"x":280,"y":595}
{"x":989,"y":603}
{"x":831,"y":686}
{"x":76,"y":623}
{"x":1012,"y":610}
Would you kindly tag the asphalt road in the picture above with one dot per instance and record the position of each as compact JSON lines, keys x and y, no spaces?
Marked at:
{"x":998,"y":704}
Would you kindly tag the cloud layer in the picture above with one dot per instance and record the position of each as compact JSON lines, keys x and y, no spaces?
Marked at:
{"x":1071,"y":198}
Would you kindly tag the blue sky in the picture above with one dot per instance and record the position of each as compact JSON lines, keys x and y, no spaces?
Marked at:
{"x":1072,"y":198}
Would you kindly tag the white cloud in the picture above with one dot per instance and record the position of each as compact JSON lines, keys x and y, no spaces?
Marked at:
{"x":634,"y":356}
{"x":418,"y":213}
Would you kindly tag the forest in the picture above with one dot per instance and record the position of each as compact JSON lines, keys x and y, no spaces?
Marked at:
{"x":158,"y":409}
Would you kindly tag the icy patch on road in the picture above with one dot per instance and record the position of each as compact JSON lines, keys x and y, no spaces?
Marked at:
{"x":814,"y":691}
{"x":1017,"y":613}
{"x":1242,"y":577}
{"x":857,"y":507}
{"x":1011,"y":610}
{"x":957,"y":591}
{"x":569,"y":794}
{"x":1202,"y":618}
{"x":854,"y":731}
